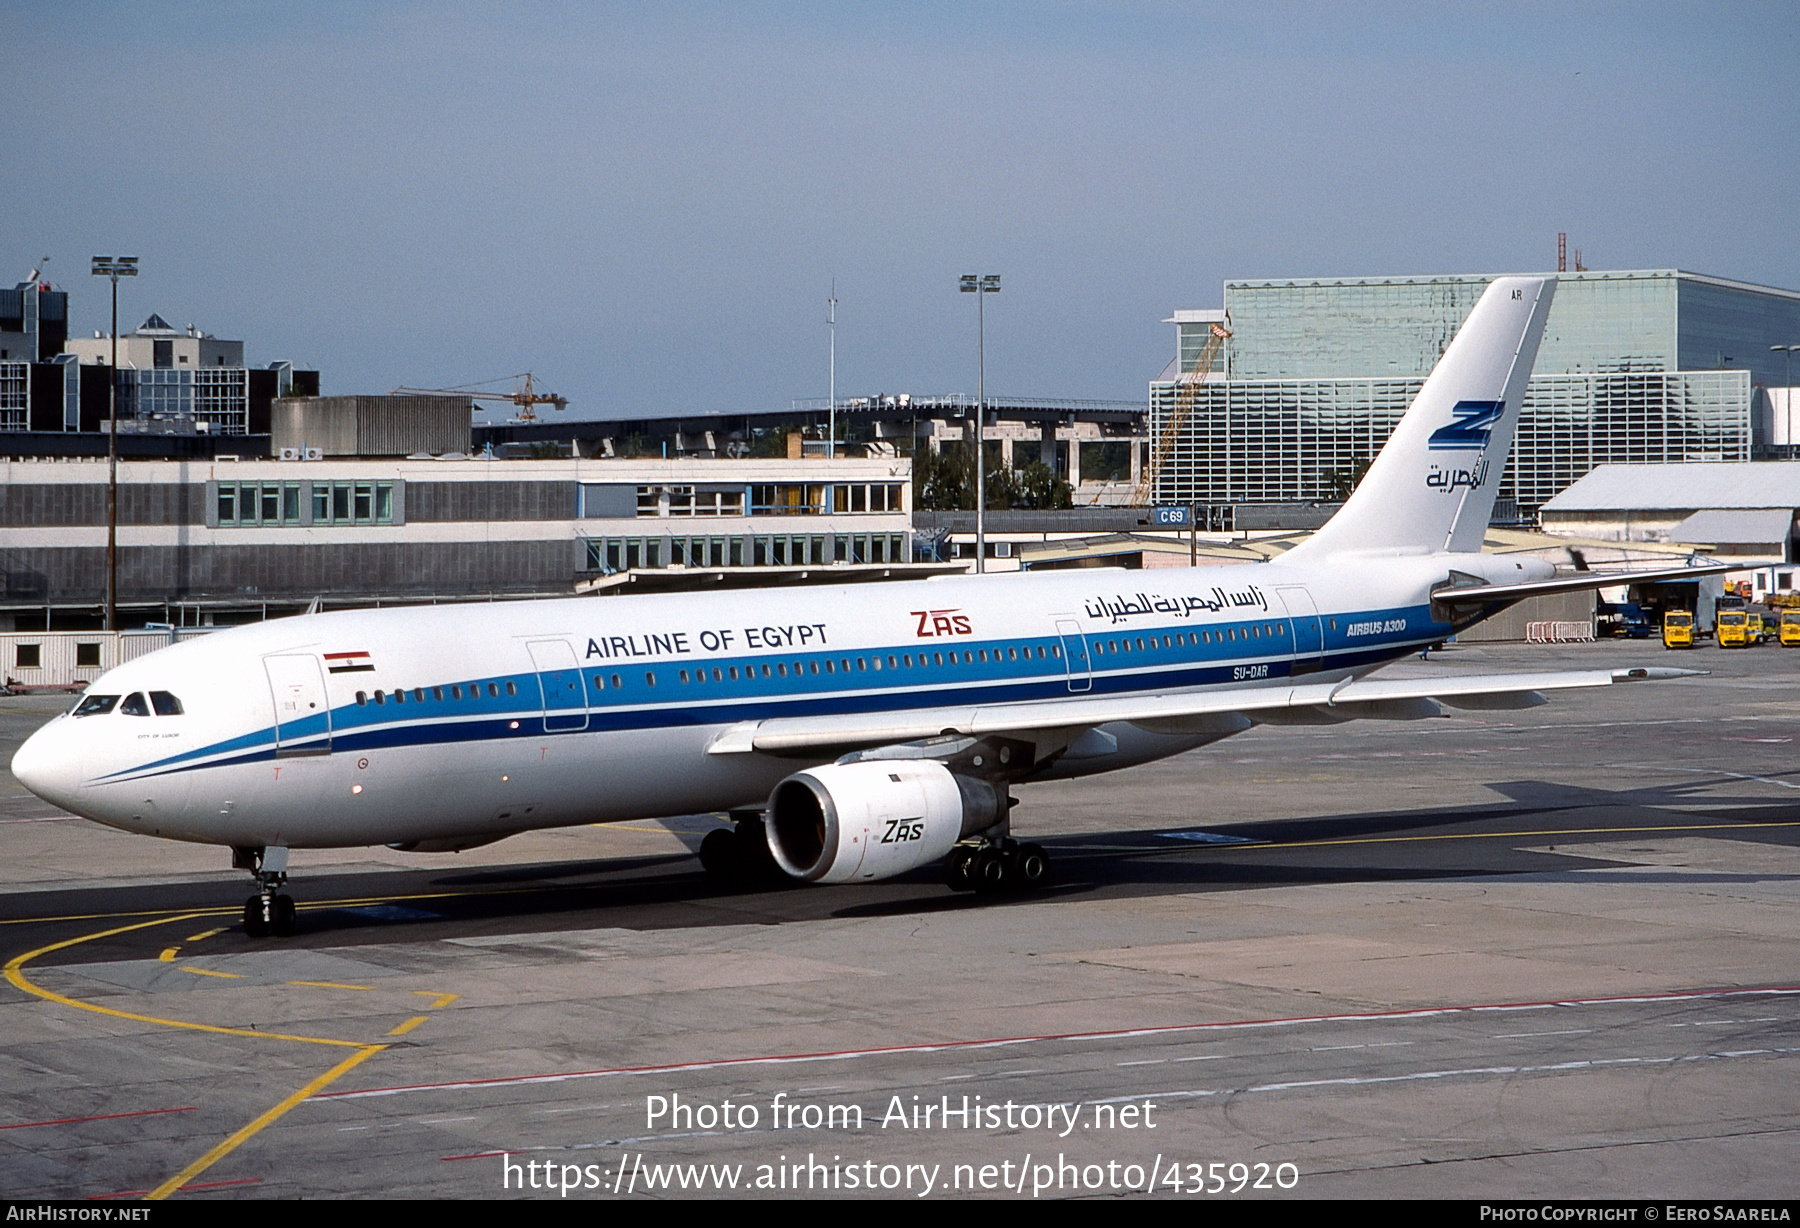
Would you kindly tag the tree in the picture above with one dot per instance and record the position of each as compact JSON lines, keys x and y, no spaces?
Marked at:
{"x":1039,"y":488}
{"x":944,"y":481}
{"x":1341,"y":484}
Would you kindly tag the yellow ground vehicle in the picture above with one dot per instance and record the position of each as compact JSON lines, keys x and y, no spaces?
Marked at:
{"x":1759,"y":630}
{"x":1733,"y":629}
{"x":1790,"y":628}
{"x":1678,"y":629}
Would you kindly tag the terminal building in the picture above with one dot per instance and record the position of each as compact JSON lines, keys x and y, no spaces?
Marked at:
{"x":1638,"y":367}
{"x":219,"y":541}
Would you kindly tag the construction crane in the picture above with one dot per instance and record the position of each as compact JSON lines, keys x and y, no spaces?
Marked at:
{"x":522,"y":395}
{"x":1187,"y":395}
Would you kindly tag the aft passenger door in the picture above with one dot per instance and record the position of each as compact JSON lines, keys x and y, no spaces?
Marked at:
{"x":559,"y":678}
{"x":1303,"y":616}
{"x":302,"y":712}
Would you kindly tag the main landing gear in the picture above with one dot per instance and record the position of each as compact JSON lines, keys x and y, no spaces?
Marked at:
{"x":266,"y":912}
{"x":992,"y":867}
{"x":740,"y":855}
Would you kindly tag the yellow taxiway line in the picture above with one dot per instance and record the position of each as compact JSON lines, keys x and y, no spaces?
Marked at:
{"x":361,"y":1051}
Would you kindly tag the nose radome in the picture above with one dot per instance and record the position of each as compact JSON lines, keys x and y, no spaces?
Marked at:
{"x":47,"y":765}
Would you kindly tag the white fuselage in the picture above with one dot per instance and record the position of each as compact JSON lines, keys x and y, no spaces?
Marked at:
{"x":450,"y":722}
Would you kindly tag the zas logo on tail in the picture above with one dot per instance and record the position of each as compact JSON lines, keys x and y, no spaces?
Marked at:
{"x":1473,"y":425}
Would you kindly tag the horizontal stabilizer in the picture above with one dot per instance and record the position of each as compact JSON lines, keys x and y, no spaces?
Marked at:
{"x":1486,"y":594}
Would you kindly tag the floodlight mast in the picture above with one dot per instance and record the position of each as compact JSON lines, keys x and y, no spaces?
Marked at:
{"x":979,"y":286}
{"x":113,"y":267}
{"x":831,"y":419}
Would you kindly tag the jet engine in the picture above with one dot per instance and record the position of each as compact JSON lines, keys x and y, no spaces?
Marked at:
{"x":854,"y":822}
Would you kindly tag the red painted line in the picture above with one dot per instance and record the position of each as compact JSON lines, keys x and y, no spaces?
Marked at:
{"x":477,"y":1155}
{"x":838,"y":1055}
{"x":208,"y":1185}
{"x":65,"y":1121}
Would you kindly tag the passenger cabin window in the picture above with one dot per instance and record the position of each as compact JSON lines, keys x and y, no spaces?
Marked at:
{"x":135,"y":705}
{"x":96,"y":705}
{"x":165,"y":703}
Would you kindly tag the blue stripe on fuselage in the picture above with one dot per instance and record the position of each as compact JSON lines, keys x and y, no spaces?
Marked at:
{"x":1121,"y":662}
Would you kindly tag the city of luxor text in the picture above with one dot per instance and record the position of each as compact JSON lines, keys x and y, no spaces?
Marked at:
{"x":724,"y":639}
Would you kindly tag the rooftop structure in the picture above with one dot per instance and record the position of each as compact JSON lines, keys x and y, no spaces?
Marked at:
{"x":155,"y":345}
{"x":34,"y":321}
{"x":1738,"y":510}
{"x":1625,"y":488}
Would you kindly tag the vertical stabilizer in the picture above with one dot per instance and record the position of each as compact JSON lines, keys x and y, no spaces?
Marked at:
{"x":1432,"y":487}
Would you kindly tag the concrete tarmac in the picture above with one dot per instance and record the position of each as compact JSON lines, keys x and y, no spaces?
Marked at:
{"x":1538,"y":954}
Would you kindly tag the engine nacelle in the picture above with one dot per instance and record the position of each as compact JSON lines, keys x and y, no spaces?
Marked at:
{"x":849,"y":822}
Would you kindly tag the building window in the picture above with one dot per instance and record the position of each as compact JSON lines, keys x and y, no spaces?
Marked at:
{"x":242,"y":504}
{"x":14,"y":395}
{"x":333,"y":503}
{"x":610,"y":555}
{"x":87,"y":656}
{"x":788,"y":499}
{"x":28,"y":656}
{"x":689,"y":501}
{"x":852,"y":499}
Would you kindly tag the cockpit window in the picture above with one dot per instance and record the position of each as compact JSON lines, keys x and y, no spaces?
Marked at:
{"x":96,"y":705}
{"x":165,"y":703}
{"x":135,"y":705}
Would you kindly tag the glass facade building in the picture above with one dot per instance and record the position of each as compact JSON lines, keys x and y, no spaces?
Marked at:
{"x":216,"y":395}
{"x":1636,"y":367}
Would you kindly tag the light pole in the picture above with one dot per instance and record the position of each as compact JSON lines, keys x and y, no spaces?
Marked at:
{"x":987,"y":283}
{"x":831,"y":418}
{"x":115,"y":268}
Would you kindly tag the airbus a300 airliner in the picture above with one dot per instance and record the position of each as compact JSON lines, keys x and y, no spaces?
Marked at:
{"x":853,"y":732}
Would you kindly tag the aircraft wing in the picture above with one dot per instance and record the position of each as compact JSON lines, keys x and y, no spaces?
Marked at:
{"x":1488,"y":594}
{"x":1400,"y":698}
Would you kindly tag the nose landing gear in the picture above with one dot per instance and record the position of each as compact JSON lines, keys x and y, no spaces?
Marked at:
{"x":266,"y":912}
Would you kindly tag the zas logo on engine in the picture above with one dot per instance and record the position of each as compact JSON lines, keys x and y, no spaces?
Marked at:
{"x":934,"y":624}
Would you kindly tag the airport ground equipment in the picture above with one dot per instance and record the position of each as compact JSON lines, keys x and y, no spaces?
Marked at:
{"x":1678,"y":629}
{"x":1790,"y":628}
{"x":1733,"y":629}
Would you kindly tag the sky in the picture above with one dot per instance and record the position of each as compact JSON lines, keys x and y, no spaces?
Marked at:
{"x":648,"y":205}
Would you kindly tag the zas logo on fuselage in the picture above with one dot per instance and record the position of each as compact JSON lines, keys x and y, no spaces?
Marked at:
{"x":1474,"y":424}
{"x":934,"y":624}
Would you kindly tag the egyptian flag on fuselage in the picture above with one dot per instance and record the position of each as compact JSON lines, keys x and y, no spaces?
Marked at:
{"x":349,"y":663}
